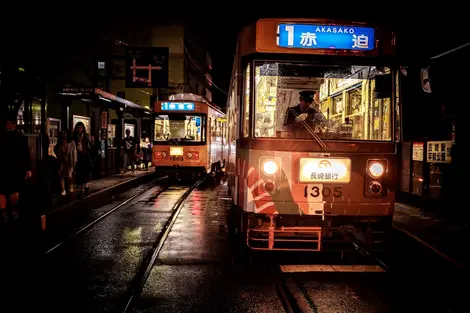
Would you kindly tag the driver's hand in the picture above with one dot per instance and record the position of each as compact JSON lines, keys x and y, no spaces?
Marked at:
{"x":301,"y":117}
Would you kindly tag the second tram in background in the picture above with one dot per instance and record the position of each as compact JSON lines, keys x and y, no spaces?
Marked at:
{"x":312,"y":115}
{"x":188,"y":137}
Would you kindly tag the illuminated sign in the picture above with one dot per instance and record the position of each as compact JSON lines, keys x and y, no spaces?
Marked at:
{"x":439,"y":152}
{"x":418,"y":151}
{"x":325,"y":37}
{"x":176,"y":150}
{"x":321,"y":170}
{"x":178,"y":106}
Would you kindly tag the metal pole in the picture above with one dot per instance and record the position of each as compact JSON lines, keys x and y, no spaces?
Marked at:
{"x":44,"y":134}
{"x":42,"y":179}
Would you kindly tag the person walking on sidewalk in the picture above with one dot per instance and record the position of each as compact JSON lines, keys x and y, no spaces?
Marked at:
{"x":84,"y":164}
{"x":130,"y":152}
{"x":15,"y":163}
{"x":66,"y":153}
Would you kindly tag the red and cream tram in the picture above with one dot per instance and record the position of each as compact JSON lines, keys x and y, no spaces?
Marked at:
{"x":312,"y":114}
{"x":188,"y":137}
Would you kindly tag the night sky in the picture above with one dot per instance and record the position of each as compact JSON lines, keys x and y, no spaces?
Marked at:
{"x":424,"y":31}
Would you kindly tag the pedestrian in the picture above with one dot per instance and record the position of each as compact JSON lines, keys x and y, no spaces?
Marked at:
{"x":66,"y":153}
{"x":84,"y":166}
{"x":146,"y":148}
{"x":130,"y":152}
{"x":15,"y":163}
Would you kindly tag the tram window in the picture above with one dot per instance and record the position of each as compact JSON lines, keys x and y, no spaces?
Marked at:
{"x":349,"y":102}
{"x":246,"y":103}
{"x":179,"y":127}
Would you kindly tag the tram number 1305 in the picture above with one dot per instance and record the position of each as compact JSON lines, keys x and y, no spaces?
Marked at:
{"x":316,"y":191}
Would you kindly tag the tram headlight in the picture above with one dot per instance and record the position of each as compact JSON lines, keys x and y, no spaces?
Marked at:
{"x":376,"y":169}
{"x":377,"y":178}
{"x":270,"y":167}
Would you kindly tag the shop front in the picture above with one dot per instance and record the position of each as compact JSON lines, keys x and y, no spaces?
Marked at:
{"x":426,"y":172}
{"x":428,"y":167}
{"x":21,"y":94}
{"x":116,"y":115}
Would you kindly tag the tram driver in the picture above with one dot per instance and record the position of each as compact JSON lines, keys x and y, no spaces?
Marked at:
{"x":304,"y":116}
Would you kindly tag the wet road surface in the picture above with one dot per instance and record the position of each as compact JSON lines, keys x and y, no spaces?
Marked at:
{"x":195,"y":270}
{"x":91,"y":272}
{"x":195,"y":273}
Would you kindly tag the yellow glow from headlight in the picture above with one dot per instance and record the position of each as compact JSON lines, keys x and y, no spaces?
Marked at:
{"x":176,"y":151}
{"x":269,"y":167}
{"x":376,"y":169}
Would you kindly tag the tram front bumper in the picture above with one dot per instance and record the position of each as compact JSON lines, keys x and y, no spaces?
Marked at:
{"x":310,"y":234}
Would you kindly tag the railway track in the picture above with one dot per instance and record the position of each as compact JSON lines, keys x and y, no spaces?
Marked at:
{"x":137,"y":284}
{"x":56,"y":265}
{"x":294,"y":297}
{"x":122,"y":204}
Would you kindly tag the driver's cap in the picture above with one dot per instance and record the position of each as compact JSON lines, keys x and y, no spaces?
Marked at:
{"x":307,"y":95}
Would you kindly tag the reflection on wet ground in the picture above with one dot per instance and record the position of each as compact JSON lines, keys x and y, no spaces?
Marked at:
{"x":195,"y":271}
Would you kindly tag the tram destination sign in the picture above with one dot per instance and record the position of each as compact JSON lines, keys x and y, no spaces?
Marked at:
{"x":311,"y":36}
{"x":178,"y":106}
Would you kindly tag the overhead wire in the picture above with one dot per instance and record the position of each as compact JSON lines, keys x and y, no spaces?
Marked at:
{"x":202,"y":70}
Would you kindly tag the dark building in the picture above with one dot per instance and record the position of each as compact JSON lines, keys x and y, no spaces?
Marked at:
{"x":89,"y":80}
{"x":434,"y":105}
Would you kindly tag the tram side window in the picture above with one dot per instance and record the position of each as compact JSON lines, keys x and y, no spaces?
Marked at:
{"x":349,"y":102}
{"x":246,"y":103}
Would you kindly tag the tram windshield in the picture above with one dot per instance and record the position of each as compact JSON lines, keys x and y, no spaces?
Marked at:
{"x":177,"y":128}
{"x":341,"y":102}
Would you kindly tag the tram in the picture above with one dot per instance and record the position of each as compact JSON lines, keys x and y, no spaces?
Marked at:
{"x":188,"y":137}
{"x":312,"y":114}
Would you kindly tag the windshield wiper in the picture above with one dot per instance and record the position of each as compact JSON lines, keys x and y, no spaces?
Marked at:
{"x":311,"y":131}
{"x":175,"y":141}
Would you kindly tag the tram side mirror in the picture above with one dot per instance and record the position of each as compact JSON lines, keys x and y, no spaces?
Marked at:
{"x":383,"y":86}
{"x":425,"y":81}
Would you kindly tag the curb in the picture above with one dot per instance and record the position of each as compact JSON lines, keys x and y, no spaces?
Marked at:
{"x":66,"y":213}
{"x":103,"y":193}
